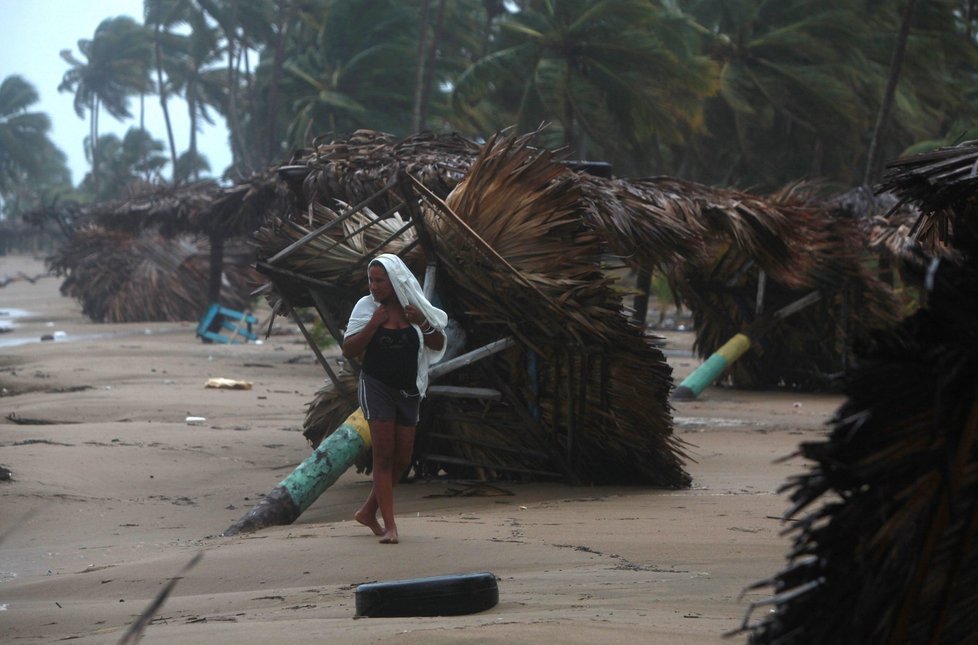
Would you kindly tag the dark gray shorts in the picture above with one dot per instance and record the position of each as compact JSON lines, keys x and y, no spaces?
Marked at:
{"x":381,"y":402}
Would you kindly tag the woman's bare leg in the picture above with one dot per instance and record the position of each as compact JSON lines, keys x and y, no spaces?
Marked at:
{"x":403,"y":450}
{"x":382,"y":494}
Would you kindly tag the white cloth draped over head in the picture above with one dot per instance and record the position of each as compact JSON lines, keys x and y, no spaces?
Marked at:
{"x":408,"y":292}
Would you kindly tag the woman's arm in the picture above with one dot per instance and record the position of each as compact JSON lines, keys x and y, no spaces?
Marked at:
{"x":433,"y":338}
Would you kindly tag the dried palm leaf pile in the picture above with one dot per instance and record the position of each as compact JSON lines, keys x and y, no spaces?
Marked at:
{"x":148,"y":257}
{"x":583,"y":393}
{"x":888,"y":552}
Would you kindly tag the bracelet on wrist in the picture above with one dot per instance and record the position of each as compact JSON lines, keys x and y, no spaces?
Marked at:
{"x":431,"y":330}
{"x":424,"y":326}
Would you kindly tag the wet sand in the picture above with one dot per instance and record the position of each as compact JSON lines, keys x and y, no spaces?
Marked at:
{"x":113,"y":492}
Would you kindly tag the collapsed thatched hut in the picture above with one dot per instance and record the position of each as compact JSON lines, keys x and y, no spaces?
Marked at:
{"x":887,"y":553}
{"x":580,"y":394}
{"x":763,"y":254}
{"x":152,"y":256}
{"x":730,"y":256}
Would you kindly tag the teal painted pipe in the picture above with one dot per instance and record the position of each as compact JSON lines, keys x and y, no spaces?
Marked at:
{"x":711,"y":368}
{"x":320,"y":470}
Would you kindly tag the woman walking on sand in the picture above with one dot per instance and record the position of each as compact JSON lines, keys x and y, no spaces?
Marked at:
{"x":401,"y":334}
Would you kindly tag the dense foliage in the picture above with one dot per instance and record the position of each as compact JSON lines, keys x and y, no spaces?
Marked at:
{"x":742,"y":93}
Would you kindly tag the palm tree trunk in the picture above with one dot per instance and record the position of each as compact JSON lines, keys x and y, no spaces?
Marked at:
{"x":872,"y":157}
{"x":165,"y":107}
{"x":419,"y":76}
{"x":278,"y":61}
{"x":93,"y":142}
{"x":429,"y":67}
{"x":192,"y":108}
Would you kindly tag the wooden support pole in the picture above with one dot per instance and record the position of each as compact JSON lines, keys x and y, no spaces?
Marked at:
{"x":468,"y":358}
{"x":317,"y":352}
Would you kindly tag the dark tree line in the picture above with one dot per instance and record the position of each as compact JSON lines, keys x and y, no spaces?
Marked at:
{"x":739,"y":93}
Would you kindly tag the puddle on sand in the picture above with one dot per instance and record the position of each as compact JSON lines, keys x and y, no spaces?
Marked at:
{"x":11,"y":337}
{"x":715,"y":422}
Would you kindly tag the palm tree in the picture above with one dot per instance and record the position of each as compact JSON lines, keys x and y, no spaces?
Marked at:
{"x":614,"y":76}
{"x":354,"y":68}
{"x":792,"y":75}
{"x":801,"y":86}
{"x":243,"y":26}
{"x":115,"y":67}
{"x":25,"y":149}
{"x":934,"y":91}
{"x":31,"y":166}
{"x":130,"y":163}
{"x":162,"y":16}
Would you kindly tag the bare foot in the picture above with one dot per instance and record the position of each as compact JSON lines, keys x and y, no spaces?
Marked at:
{"x":370,"y":521}
{"x":390,"y":537}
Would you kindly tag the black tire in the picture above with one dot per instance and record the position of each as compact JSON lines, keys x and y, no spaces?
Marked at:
{"x":451,"y":595}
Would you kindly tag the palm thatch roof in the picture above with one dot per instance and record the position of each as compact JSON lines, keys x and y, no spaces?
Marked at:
{"x":197,"y":208}
{"x":583,"y":392}
{"x":139,"y":259}
{"x":125,"y":276}
{"x":887,"y":553}
{"x":711,"y":243}
{"x":764,"y":254}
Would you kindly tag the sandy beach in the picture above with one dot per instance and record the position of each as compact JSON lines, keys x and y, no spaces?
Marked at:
{"x":113,"y":492}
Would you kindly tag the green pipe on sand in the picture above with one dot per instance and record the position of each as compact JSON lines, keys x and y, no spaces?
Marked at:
{"x":294,"y":494}
{"x":711,"y":368}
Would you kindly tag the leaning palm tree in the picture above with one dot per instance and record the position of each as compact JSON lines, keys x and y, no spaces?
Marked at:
{"x":161,"y":16}
{"x":115,"y":66}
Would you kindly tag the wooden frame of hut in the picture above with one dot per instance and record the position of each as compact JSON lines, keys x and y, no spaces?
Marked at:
{"x":578,"y":393}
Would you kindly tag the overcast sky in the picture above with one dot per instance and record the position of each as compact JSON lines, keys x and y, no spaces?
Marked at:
{"x":32,"y":35}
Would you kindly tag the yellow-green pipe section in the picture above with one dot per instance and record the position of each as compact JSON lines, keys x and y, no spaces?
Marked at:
{"x":320,"y":470}
{"x":712,"y":368}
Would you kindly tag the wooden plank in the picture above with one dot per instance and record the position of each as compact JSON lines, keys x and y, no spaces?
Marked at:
{"x":459,"y":392}
{"x":269,"y":270}
{"x":474,"y":420}
{"x":291,"y":248}
{"x":327,"y":317}
{"x":440,"y":369}
{"x":319,"y":354}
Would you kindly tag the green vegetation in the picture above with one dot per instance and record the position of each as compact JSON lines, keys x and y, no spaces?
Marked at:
{"x":744,"y":93}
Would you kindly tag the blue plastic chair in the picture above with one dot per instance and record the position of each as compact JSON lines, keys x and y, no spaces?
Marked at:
{"x":218,"y":319}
